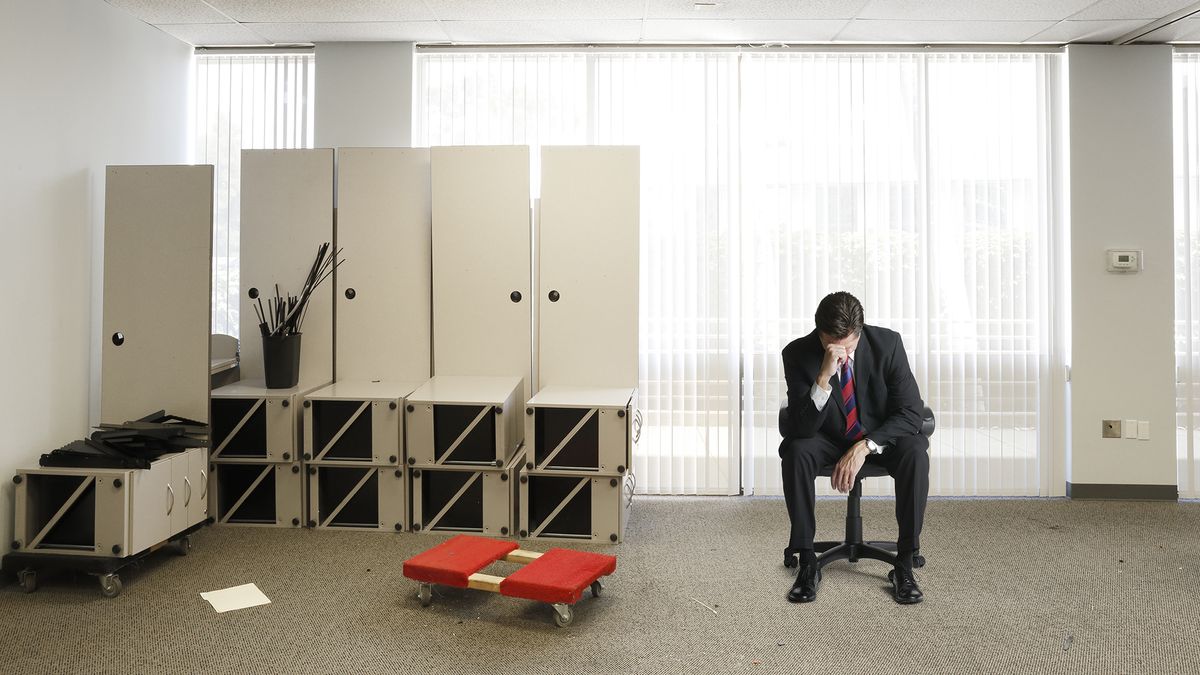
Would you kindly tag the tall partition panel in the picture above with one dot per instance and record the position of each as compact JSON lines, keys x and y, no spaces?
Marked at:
{"x":287,"y":213}
{"x":482,"y":312}
{"x":588,"y":232}
{"x":383,"y":290}
{"x":157,"y":291}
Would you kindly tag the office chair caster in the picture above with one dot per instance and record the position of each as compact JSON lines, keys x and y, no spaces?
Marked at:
{"x":789,"y":560}
{"x":918,"y":560}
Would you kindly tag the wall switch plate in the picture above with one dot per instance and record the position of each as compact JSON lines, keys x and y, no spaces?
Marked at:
{"x":1110,"y":429}
{"x":1129,"y":429}
{"x":1143,"y":430}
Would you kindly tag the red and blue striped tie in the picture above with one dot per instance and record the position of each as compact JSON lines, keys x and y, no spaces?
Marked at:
{"x":853,"y":429}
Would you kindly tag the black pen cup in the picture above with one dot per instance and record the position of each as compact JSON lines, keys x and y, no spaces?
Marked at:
{"x":281,"y":360}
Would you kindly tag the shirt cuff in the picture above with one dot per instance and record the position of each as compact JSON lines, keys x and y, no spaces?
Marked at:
{"x":819,"y":396}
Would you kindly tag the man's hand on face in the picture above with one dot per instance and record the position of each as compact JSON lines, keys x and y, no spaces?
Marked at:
{"x":848,"y":467}
{"x":835,"y":355}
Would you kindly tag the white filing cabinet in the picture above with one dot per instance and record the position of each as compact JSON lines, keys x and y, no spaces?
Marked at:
{"x":588,"y":242}
{"x":356,"y":422}
{"x":287,"y":213}
{"x":109,"y":512}
{"x":581,"y":429}
{"x":157,"y":281}
{"x":464,"y":420}
{"x":383,"y":290}
{"x":481,"y":263}
{"x":348,"y":495}
{"x":578,"y":506}
{"x":467,"y":499}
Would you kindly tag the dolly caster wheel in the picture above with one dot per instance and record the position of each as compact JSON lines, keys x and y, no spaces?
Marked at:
{"x":596,"y":588}
{"x":110,"y":585}
{"x":28,"y":580}
{"x":563,"y":616}
{"x":425,"y":595}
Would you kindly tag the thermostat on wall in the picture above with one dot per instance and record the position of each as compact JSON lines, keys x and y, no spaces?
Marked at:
{"x":1124,"y":261}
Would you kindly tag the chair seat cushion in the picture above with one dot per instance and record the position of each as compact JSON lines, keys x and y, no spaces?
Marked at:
{"x":451,"y":562}
{"x":559,"y":575}
{"x":870,"y":469}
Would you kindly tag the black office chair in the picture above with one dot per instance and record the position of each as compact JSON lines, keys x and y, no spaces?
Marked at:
{"x":854,"y":548}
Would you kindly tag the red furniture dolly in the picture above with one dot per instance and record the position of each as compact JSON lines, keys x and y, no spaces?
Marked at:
{"x":558,"y":576}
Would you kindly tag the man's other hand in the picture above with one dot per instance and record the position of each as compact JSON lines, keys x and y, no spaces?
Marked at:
{"x":835,"y":355}
{"x":848,"y":467}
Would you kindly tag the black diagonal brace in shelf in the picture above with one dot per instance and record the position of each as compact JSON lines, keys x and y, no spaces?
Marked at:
{"x":246,"y":495}
{"x":345,"y":427}
{"x":567,"y":439}
{"x":463,"y":436}
{"x":238,"y":427}
{"x":453,"y":500}
{"x":558,"y":509}
{"x":350,"y":495}
{"x":61,"y":512}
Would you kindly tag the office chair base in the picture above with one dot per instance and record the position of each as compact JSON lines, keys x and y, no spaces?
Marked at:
{"x":829,"y":551}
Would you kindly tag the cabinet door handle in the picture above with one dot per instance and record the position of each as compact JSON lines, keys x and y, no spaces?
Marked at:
{"x":204,"y":479}
{"x":188,"y":491}
{"x":171,"y":505}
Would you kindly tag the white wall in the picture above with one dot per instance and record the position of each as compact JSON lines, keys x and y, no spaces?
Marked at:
{"x":1123,"y":364}
{"x":364,"y":94}
{"x":83,"y":85}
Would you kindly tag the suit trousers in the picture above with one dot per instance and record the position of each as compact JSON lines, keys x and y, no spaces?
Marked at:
{"x":906,"y":460}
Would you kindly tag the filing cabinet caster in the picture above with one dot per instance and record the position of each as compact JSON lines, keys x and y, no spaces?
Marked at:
{"x":185,"y":545}
{"x":563,"y":616}
{"x":425,"y":594}
{"x":28,"y":580}
{"x":110,"y":585}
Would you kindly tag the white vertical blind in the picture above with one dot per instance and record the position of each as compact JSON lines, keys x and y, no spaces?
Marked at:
{"x":1187,"y":269}
{"x":920,"y":182}
{"x":245,"y":101}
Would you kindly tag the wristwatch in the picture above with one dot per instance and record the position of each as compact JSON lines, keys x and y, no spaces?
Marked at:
{"x":873,"y":447}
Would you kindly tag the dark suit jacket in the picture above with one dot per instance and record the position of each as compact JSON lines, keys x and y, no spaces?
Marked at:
{"x":888,"y":400}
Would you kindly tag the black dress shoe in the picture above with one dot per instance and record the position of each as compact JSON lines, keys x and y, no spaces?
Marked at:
{"x":807,"y":581}
{"x":904,"y":586}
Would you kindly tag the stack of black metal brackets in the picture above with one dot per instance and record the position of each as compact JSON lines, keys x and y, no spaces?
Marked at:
{"x":132,"y":445}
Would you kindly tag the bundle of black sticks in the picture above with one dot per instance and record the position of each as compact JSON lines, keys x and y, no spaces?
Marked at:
{"x":284,"y":314}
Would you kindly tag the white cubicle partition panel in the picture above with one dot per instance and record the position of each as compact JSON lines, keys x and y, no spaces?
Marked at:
{"x":157,"y":291}
{"x":588,"y":231}
{"x":383,"y":290}
{"x":287,"y":213}
{"x":482,"y":312}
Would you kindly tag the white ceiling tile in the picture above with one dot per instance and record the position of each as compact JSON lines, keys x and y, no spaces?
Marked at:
{"x":170,"y":11}
{"x":755,"y":9}
{"x":536,"y":10}
{"x":974,"y":10}
{"x":1149,"y":10}
{"x":740,"y":32}
{"x":542,"y":32}
{"x":1086,"y":31}
{"x":214,"y":34}
{"x":958,"y":32}
{"x":300,"y":11}
{"x":1185,"y":30}
{"x":379,"y":31}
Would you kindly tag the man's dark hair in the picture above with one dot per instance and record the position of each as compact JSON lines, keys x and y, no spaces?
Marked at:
{"x":839,"y":315}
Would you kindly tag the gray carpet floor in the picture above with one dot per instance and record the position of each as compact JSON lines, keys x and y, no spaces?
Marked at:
{"x":1012,"y":586}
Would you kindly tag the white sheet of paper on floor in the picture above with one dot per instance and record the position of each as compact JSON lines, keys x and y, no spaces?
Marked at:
{"x":238,"y":597}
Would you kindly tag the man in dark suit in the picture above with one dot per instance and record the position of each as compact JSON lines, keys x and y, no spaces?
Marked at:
{"x":851,"y":393}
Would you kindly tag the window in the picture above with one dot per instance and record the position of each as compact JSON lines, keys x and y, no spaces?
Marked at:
{"x":242,"y":102}
{"x":923,"y":183}
{"x":1187,"y":270}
